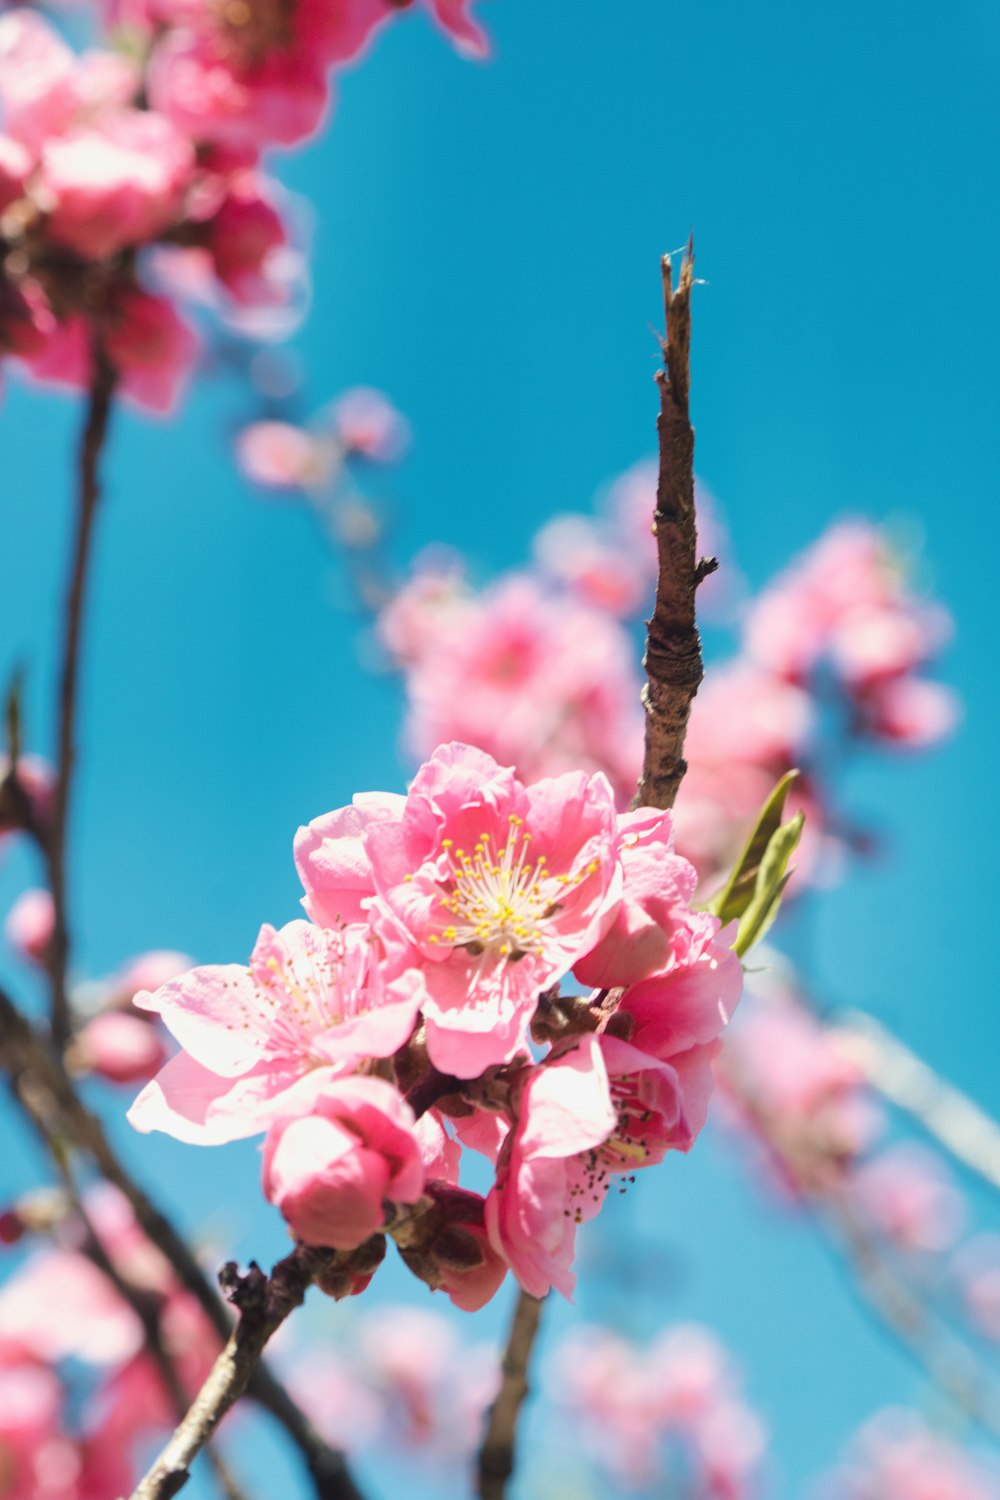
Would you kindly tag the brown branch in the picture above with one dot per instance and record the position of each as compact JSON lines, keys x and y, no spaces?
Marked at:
{"x":145,"y":1305}
{"x":36,"y":1072}
{"x":102,"y":387}
{"x":264,"y":1302}
{"x":498,"y":1450}
{"x":673,"y":650}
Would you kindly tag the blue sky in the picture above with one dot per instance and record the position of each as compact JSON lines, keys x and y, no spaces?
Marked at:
{"x":485,"y":250}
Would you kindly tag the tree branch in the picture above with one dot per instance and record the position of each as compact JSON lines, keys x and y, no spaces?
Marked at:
{"x":673,"y":650}
{"x":36,"y":1072}
{"x":960,"y":1126}
{"x":497,"y":1453}
{"x":102,"y":387}
{"x":264,"y":1302}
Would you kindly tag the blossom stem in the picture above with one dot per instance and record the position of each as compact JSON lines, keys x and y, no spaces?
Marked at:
{"x":100,"y":398}
{"x":498,"y":1451}
{"x":673,"y":649}
{"x":40,"y":1077}
{"x":264,"y":1302}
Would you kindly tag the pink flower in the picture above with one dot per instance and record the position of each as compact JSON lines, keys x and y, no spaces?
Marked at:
{"x":431,"y":606}
{"x":277,"y":455}
{"x":578,"y":554}
{"x":449,"y":1248}
{"x":27,"y":322}
{"x":910,"y":711}
{"x":333,"y":861}
{"x":547,"y":1178}
{"x":331,"y":1172}
{"x":542,"y":684}
{"x":119,"y":1047}
{"x":118,"y":183}
{"x":148,"y":342}
{"x":29,"y":923}
{"x":37,"y":1459}
{"x":37,"y":78}
{"x":242,"y":236}
{"x":907,"y":1194}
{"x":496,"y":889}
{"x":453,"y":16}
{"x":369,"y":425}
{"x":15,"y":165}
{"x":147,"y":972}
{"x":311,"y":1000}
{"x":896,"y":1455}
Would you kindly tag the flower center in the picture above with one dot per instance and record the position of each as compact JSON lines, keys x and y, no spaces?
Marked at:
{"x":499,"y":899}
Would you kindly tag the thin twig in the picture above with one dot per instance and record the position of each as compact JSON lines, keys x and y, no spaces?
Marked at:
{"x":31,"y":1065}
{"x":102,"y":387}
{"x":674,"y":671}
{"x":497,"y":1453}
{"x":673,"y":650}
{"x":264,"y":1303}
{"x":966,"y":1131}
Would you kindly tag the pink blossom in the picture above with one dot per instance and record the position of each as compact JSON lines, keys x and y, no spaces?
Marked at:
{"x":449,"y":1248}
{"x":37,"y":78}
{"x":908,"y":1195}
{"x":147,"y":971}
{"x":15,"y":165}
{"x":210,"y":94}
{"x":545,"y":685}
{"x":37,"y":1462}
{"x":29,"y":923}
{"x":547,"y":1181}
{"x":333,"y":861}
{"x":277,"y":455}
{"x":368,"y":424}
{"x":27,"y":322}
{"x":977,"y":1271}
{"x":330,"y":1172}
{"x":431,"y":606}
{"x":59,"y":1306}
{"x":115,"y":184}
{"x":468,"y":36}
{"x":311,"y":1000}
{"x":896,"y":1455}
{"x":910,"y":711}
{"x":743,"y":714}
{"x":243,"y":236}
{"x":119,"y":1047}
{"x":496,"y":889}
{"x":577,"y":553}
{"x":150,"y":345}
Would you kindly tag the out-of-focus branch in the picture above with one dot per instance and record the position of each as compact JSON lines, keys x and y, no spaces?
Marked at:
{"x":962,"y":1127}
{"x":497,"y":1453}
{"x":673,"y":650}
{"x":102,"y":387}
{"x":35,"y":1072}
{"x":949,"y":1363}
{"x":144,"y":1304}
{"x":264,"y":1302}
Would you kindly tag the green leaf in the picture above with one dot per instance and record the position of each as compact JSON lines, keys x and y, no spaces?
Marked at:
{"x":741,"y":887}
{"x":773,"y":875}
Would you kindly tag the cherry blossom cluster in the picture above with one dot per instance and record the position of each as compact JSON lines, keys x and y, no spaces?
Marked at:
{"x":60,"y":1315}
{"x":897,"y":1454}
{"x":156,"y":141}
{"x":539,"y":668}
{"x":431,"y":1005}
{"x":667,"y":1418}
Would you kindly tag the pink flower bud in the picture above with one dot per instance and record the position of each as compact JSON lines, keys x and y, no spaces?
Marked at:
{"x":368,"y":424}
{"x":121,"y":1047}
{"x":28,"y":928}
{"x":331,"y":1172}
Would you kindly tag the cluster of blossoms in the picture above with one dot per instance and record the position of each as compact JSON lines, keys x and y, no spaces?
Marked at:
{"x":60,"y":1315}
{"x":419,"y":1013}
{"x":670,"y":1417}
{"x":897,"y":1455}
{"x":540,"y":668}
{"x":106,"y":154}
